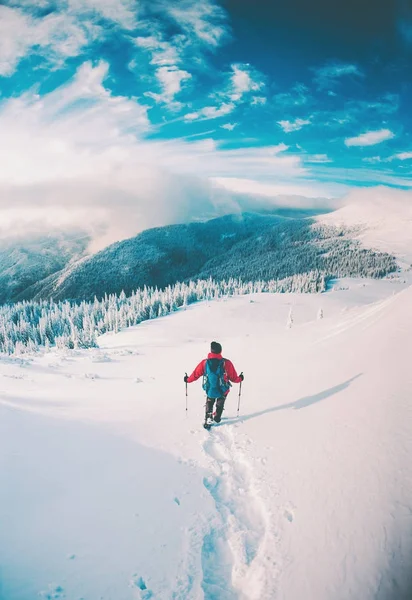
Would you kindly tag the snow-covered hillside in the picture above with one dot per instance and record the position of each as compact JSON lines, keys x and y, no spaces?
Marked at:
{"x":383,"y":217}
{"x":109,"y":490}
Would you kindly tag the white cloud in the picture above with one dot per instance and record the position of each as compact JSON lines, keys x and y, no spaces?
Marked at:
{"x":207,"y":159}
{"x":243,"y":81}
{"x":197,"y":27}
{"x":318,"y":158}
{"x":329,"y":75}
{"x":68,"y":133}
{"x":163,"y":53}
{"x":370,"y":138}
{"x":202,"y":25}
{"x":80,"y":156}
{"x":289,"y":126}
{"x":203,"y":20}
{"x":279,"y":148}
{"x":378,"y":159}
{"x":229,"y":126}
{"x":295,"y":195}
{"x":170,"y":80}
{"x":339,"y":121}
{"x":372,"y":159}
{"x":403,"y":155}
{"x":338,"y":70}
{"x":258,"y":100}
{"x":15,"y":29}
{"x":167,"y":56}
{"x":64,"y":32}
{"x":55,"y":36}
{"x":72,"y":24}
{"x":211,"y":112}
{"x":122,"y":12}
{"x":30,"y":4}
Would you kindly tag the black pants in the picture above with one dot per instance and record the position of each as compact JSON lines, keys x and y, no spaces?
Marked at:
{"x":220,"y":404}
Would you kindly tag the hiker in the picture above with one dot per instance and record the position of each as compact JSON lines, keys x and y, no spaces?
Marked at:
{"x":217,"y":373}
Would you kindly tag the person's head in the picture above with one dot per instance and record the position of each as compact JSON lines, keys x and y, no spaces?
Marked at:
{"x":215,"y":348}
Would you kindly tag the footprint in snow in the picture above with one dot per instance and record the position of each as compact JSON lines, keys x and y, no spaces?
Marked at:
{"x":139,"y":584}
{"x":91,"y":376}
{"x":289,"y":515}
{"x":101,"y":358}
{"x":55,"y":592}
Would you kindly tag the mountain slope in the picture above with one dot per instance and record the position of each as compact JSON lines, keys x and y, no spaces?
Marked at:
{"x":359,"y":238}
{"x":109,"y":489}
{"x":248,"y":246}
{"x":382,"y":218}
{"x":159,"y":256}
{"x":25,"y":262}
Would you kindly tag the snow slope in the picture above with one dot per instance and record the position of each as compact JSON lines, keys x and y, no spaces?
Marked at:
{"x":109,"y":490}
{"x":383,"y":217}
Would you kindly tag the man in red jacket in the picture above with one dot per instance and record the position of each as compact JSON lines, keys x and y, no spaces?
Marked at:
{"x":217,"y":374}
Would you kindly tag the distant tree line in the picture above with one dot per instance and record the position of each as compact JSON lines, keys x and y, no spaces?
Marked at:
{"x":29,"y":325}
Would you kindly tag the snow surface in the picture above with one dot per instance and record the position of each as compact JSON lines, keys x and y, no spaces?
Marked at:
{"x":383,"y":217}
{"x":110,"y":490}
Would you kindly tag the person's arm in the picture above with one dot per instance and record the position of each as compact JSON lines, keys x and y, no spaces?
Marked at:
{"x":198,"y":372}
{"x":231,"y":372}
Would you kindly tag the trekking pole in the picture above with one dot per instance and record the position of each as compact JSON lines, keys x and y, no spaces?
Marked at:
{"x":186,"y":394}
{"x":240,"y":393}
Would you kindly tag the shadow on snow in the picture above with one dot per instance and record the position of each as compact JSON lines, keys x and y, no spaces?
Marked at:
{"x":297,"y":404}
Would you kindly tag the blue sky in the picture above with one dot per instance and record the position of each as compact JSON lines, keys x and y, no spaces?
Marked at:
{"x":261,"y":97}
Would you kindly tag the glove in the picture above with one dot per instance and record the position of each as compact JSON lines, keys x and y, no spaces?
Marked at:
{"x":185,"y":378}
{"x":241,"y":376}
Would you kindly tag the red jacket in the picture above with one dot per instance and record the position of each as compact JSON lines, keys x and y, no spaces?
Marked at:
{"x":230,"y":371}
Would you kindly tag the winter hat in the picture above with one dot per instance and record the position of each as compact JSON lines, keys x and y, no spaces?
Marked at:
{"x":215,"y":348}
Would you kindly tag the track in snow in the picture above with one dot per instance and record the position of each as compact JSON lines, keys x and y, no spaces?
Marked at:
{"x":238,"y":559}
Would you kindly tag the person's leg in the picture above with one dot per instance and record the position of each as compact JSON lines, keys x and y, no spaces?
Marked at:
{"x":209,"y":407}
{"x":220,"y":405}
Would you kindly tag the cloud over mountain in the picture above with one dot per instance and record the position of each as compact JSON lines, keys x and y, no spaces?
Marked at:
{"x":129,"y":113}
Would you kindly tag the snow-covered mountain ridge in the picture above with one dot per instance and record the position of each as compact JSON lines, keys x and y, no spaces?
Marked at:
{"x":249,"y":246}
{"x":383,"y":217}
{"x":26,"y":261}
